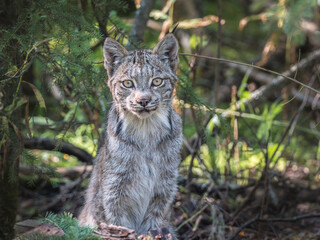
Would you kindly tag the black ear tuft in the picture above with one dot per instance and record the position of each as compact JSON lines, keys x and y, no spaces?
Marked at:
{"x":167,"y":50}
{"x":175,"y":28}
{"x":113,"y":53}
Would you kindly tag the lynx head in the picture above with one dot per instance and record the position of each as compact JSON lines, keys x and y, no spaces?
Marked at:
{"x":142,"y":81}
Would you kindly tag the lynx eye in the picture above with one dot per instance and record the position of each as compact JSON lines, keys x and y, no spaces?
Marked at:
{"x":157,"y":82}
{"x":127,"y":83}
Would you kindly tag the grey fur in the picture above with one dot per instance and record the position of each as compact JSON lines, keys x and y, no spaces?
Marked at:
{"x":134,"y":180}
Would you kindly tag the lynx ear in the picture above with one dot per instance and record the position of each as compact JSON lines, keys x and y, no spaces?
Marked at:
{"x":113,"y":53}
{"x":167,"y":49}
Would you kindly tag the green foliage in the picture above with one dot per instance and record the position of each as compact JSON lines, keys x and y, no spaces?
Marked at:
{"x":198,"y":42}
{"x":269,"y":114}
{"x":118,"y":22}
{"x":41,"y":169}
{"x":298,"y":11}
{"x":242,"y":92}
{"x":84,"y":137}
{"x":188,"y":94}
{"x":69,"y":225}
{"x":287,"y":16}
{"x":59,"y":44}
{"x":61,"y":39}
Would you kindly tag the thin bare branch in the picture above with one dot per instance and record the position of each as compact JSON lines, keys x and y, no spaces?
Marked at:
{"x":271,"y":220}
{"x":265,"y":78}
{"x":292,"y":125}
{"x":278,"y":82}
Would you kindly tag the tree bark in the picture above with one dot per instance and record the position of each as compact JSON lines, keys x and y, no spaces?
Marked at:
{"x":10,"y":149}
{"x":9,"y":165}
{"x":140,"y":23}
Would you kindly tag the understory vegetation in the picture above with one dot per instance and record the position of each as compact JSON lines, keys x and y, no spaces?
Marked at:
{"x":248,"y":95}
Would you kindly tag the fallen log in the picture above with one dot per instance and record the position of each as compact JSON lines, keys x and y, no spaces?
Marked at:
{"x":56,"y":145}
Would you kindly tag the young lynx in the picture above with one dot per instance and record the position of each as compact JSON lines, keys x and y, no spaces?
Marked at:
{"x":134,"y":180}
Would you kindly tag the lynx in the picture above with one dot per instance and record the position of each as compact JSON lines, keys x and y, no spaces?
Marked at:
{"x":134,"y":181}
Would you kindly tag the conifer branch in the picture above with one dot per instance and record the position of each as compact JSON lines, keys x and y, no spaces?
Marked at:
{"x":102,"y":26}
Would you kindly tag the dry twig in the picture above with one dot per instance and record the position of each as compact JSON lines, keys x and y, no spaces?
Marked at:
{"x":271,"y":220}
{"x":278,"y":82}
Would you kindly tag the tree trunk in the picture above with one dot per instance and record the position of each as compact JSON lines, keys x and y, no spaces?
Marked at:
{"x":11,"y":140}
{"x":9,"y":166}
{"x":8,"y":192}
{"x":140,"y":23}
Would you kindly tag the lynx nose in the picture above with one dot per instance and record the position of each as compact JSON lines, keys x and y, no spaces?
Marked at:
{"x":143,"y":101}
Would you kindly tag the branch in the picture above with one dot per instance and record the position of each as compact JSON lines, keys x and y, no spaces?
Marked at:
{"x":67,"y":172}
{"x":247,"y":199}
{"x":292,"y":125}
{"x":257,"y":219}
{"x":264,"y":78}
{"x":60,"y":146}
{"x":142,"y":16}
{"x":102,"y":25}
{"x":282,"y":78}
{"x":259,"y":95}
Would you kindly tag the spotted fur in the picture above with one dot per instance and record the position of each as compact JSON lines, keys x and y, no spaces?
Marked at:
{"x":134,"y":180}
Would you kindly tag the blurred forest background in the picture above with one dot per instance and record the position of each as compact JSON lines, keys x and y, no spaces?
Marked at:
{"x":251,"y":148}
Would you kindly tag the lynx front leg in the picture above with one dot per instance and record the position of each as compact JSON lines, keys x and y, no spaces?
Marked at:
{"x":157,"y":218}
{"x":114,"y":203}
{"x":159,"y":210}
{"x":125,"y":203}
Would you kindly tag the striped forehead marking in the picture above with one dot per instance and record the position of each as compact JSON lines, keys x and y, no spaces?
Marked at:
{"x":140,"y":57}
{"x":141,"y":66}
{"x":141,"y":71}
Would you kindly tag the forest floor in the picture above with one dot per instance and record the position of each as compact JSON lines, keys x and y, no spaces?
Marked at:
{"x":202,"y":211}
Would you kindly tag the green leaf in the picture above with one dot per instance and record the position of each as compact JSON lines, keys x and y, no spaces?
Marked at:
{"x":244,"y":84}
{"x":39,"y":97}
{"x":195,"y":41}
{"x":12,"y":107}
